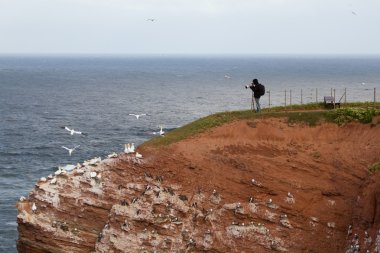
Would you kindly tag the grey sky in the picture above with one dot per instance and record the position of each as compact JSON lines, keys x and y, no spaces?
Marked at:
{"x":190,"y":26}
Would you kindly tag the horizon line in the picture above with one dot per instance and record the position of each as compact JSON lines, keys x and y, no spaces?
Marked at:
{"x":188,"y":55}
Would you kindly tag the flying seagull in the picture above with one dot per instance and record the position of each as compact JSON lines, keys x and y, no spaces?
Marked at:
{"x":70,"y":149}
{"x":72,"y":131}
{"x":353,"y":13}
{"x":137,"y":115}
{"x":151,"y":19}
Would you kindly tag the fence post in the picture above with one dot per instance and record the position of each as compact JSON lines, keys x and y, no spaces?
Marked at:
{"x":316,"y":95}
{"x":269,"y":98}
{"x":331,"y":94}
{"x":285,"y":98}
{"x":334,"y":99}
{"x":345,"y":95}
{"x":374,"y":95}
{"x":301,"y":97}
{"x":290,"y":98}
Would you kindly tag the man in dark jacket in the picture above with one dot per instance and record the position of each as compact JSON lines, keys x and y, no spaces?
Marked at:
{"x":258,"y":90}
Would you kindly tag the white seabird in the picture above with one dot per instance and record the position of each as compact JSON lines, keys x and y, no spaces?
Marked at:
{"x":132,"y":148}
{"x":161,"y":132}
{"x":72,"y":131}
{"x":22,"y":198}
{"x":137,"y":115}
{"x":58,"y":172}
{"x":92,"y":174}
{"x":34,"y":208}
{"x":113,"y":155}
{"x":138,"y":155}
{"x":53,"y":181}
{"x":71,"y":149}
{"x":127,"y":148}
{"x":150,"y":19}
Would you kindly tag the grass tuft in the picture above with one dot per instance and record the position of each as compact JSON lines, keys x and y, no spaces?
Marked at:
{"x":374,"y":167}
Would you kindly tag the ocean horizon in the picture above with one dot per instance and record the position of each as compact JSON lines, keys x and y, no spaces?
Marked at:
{"x":95,"y":93}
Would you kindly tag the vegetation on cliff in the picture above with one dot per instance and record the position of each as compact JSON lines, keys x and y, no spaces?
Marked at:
{"x":310,"y":114}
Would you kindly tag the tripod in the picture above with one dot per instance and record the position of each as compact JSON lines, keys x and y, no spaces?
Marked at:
{"x":252,"y":102}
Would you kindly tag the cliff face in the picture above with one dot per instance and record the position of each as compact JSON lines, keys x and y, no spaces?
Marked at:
{"x":243,"y":187}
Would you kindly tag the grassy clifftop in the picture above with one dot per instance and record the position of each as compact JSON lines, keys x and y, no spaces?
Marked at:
{"x":310,"y":114}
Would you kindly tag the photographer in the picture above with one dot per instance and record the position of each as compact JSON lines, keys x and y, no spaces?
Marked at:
{"x":258,"y":90}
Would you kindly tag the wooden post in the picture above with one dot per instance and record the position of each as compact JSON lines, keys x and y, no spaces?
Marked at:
{"x":285,"y":98}
{"x":316,"y":95}
{"x":374,"y":95}
{"x":331,"y":94}
{"x":301,"y":97}
{"x":345,"y":95}
{"x":334,"y":98}
{"x":269,"y":97}
{"x":290,"y":98}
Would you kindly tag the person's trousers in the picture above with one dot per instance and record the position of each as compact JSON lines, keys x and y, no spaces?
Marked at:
{"x":257,"y":101}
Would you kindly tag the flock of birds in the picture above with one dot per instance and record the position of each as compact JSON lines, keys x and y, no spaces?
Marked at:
{"x":128,"y":148}
{"x":355,"y":247}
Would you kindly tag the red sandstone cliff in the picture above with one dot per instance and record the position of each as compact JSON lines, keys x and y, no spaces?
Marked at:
{"x":195,"y":195}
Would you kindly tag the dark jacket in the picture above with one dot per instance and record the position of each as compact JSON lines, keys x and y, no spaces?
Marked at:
{"x":257,"y":90}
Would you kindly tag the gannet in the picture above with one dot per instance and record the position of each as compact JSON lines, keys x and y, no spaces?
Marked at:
{"x":132,"y":148}
{"x":113,"y":155}
{"x":93,"y":174}
{"x":71,"y":149}
{"x":127,"y":148}
{"x":72,"y":131}
{"x":256,"y":183}
{"x":58,"y":172}
{"x":22,"y":198}
{"x":137,"y":115}
{"x":34,"y":207}
{"x":138,"y":155}
{"x":349,"y":230}
{"x":161,"y":132}
{"x":53,"y":181}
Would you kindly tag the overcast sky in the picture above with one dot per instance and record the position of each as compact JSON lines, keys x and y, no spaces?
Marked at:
{"x":190,"y":26}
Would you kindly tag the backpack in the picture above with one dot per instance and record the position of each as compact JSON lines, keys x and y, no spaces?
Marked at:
{"x":261,"y":89}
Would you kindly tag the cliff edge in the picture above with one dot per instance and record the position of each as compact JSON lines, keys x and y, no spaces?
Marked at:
{"x":258,"y":185}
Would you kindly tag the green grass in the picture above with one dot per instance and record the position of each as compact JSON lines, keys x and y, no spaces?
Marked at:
{"x":309,"y":114}
{"x":374,"y":167}
{"x":321,"y":106}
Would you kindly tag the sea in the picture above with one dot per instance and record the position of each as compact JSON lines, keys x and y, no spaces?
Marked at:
{"x":96,"y":93}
